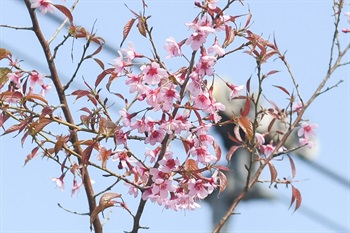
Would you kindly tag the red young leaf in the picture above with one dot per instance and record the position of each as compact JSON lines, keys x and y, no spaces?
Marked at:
{"x":292,"y":165}
{"x":296,"y":197}
{"x":223,"y":181}
{"x":96,"y":51}
{"x":33,"y":97}
{"x":272,"y":72}
{"x":80,"y":93}
{"x":102,"y":75}
{"x":248,"y":19}
{"x":65,"y":11}
{"x":223,"y":168}
{"x":100,"y":63}
{"x":273,"y":172}
{"x":14,"y":128}
{"x":248,"y":85}
{"x":3,"y":117}
{"x":40,"y":124}
{"x":230,"y":36}
{"x":191,"y":165}
{"x":25,"y":135}
{"x":283,"y":89}
{"x":272,"y":122}
{"x":61,"y":140}
{"x":87,"y":153}
{"x":217,"y":150}
{"x":245,"y":124}
{"x":31,"y":155}
{"x":237,"y":134}
{"x":246,"y":110}
{"x":105,"y":155}
{"x":186,"y":145}
{"x":47,"y":110}
{"x":127,"y":29}
{"x":230,"y":152}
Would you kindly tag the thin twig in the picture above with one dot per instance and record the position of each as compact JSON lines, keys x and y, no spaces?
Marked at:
{"x":16,"y":27}
{"x":62,"y":25}
{"x":70,"y":211}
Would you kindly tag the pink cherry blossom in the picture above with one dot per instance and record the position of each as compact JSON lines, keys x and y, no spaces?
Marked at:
{"x":194,"y":87}
{"x":131,"y":52}
{"x":134,"y":82}
{"x":205,"y":65}
{"x":45,"y":88}
{"x":182,"y":122}
{"x":152,"y":97}
{"x":152,"y":153}
{"x":259,"y":138}
{"x":307,"y":130}
{"x":132,"y":189}
{"x":36,"y":78}
{"x":125,"y":160}
{"x":43,"y":5}
{"x":172,"y":47}
{"x":216,"y":48}
{"x":306,"y":142}
{"x":202,"y":101}
{"x":168,"y":163}
{"x":126,"y":117}
{"x":15,"y":78}
{"x":143,"y":125}
{"x":76,"y":187}
{"x":170,"y":126}
{"x":59,"y":181}
{"x":153,"y":73}
{"x":168,"y":94}
{"x":298,"y":106}
{"x":202,"y":154}
{"x":268,"y":149}
{"x":196,"y":40}
{"x":154,"y":137}
{"x":234,"y":90}
{"x":119,"y":64}
{"x":197,"y":188}
{"x":187,"y":202}
{"x":121,"y":138}
{"x":212,"y":4}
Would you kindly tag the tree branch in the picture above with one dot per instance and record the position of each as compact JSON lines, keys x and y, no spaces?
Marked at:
{"x":65,"y":108}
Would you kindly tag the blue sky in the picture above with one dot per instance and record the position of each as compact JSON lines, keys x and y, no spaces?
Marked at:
{"x":28,"y":198}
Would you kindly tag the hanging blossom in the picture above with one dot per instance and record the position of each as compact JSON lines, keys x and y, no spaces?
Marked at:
{"x":131,"y":53}
{"x":173,"y":48}
{"x":59,"y":181}
{"x":216,"y":48}
{"x":203,"y":28}
{"x":43,"y":5}
{"x":234,"y":90}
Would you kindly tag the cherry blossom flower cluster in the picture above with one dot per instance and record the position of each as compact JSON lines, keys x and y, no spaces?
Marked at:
{"x":178,"y":106}
{"x":19,"y":79}
{"x":186,"y":111}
